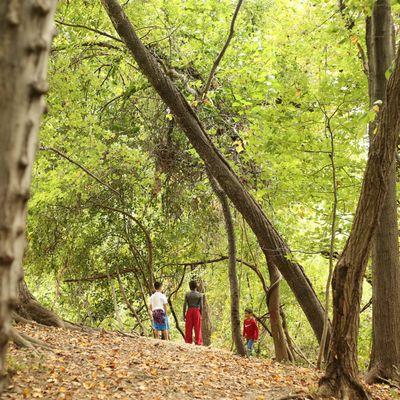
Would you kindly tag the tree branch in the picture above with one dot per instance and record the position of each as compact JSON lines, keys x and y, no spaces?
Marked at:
{"x":146,"y":233}
{"x":128,"y":303}
{"x":178,"y":327}
{"x":222,"y":52}
{"x":367,"y":305}
{"x":89,"y":29}
{"x":83,"y":168}
{"x":185,"y":264}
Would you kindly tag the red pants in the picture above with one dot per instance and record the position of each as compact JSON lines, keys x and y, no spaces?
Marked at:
{"x":193,"y":321}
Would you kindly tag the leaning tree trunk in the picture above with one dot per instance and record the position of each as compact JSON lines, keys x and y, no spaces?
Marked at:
{"x":341,"y":377}
{"x":29,"y":308}
{"x":273,"y":303}
{"x":385,"y":355}
{"x":26,"y":30}
{"x":233,"y":281}
{"x":276,"y":251}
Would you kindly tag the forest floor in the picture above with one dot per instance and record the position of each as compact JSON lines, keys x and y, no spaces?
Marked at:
{"x":103,"y":365}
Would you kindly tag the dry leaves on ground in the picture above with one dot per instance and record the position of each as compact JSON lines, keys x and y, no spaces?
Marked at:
{"x":99,"y":365}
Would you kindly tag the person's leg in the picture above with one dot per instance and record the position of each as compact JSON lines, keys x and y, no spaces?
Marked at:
{"x":156,"y":334}
{"x":189,"y":326}
{"x":250,"y":344}
{"x":167,"y":330}
{"x":154,"y":329}
{"x":164,"y":327}
{"x":197,"y":327}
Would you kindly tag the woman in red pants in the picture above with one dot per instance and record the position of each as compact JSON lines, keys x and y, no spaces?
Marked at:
{"x":192,"y":310}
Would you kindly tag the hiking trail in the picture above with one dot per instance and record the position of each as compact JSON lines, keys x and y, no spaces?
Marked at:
{"x":108,"y":365}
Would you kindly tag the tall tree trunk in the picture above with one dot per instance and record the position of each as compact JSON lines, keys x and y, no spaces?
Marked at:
{"x":385,"y":354}
{"x":290,"y":344}
{"x":279,"y":330}
{"x":233,"y":281}
{"x":276,"y":251}
{"x":341,"y":376}
{"x":206,"y":325}
{"x":323,"y":348}
{"x":26,"y":30}
{"x":273,"y":303}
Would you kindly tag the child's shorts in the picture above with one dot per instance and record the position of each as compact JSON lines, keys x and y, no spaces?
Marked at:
{"x":161,"y":326}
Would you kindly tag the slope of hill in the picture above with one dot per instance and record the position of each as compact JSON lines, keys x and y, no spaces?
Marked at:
{"x":102,"y":365}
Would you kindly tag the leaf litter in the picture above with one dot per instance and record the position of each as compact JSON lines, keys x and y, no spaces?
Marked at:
{"x":100,"y":365}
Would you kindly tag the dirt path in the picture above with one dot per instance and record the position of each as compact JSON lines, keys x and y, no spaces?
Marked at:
{"x":110,"y":366}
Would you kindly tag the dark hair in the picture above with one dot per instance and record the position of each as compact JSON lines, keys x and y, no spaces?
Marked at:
{"x":157,"y":285}
{"x":193,"y":285}
{"x":248,"y":311}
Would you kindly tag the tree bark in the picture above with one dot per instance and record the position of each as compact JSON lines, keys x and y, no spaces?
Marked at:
{"x":233,"y":281}
{"x":341,"y":377}
{"x":276,"y":251}
{"x":29,"y":308}
{"x":323,"y":348}
{"x":26,"y":29}
{"x":273,"y":303}
{"x":290,"y":345}
{"x":385,"y":354}
{"x":206,"y":325}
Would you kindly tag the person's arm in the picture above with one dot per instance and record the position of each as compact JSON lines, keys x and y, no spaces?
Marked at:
{"x":165,"y":301}
{"x":201,"y":303}
{"x":151,"y":309}
{"x":184,"y":307}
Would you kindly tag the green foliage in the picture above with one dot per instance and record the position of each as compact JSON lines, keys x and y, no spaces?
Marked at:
{"x":290,"y":67}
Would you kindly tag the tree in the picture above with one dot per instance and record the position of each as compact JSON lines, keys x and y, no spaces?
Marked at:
{"x":274,"y":304}
{"x":275,"y":249}
{"x":233,"y":281}
{"x":206,"y":325}
{"x":26,"y":30}
{"x":341,"y":377}
{"x":29,"y":308}
{"x":385,"y":355}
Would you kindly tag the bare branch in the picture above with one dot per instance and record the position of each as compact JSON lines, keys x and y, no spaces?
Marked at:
{"x":185,"y":264}
{"x":222,"y":52}
{"x":324,"y":339}
{"x":367,"y":305}
{"x":90,"y":44}
{"x":361,"y":54}
{"x":83,"y":168}
{"x":102,"y":33}
{"x":146,"y":233}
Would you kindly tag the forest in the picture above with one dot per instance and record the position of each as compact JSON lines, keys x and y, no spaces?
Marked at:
{"x":249,"y":147}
